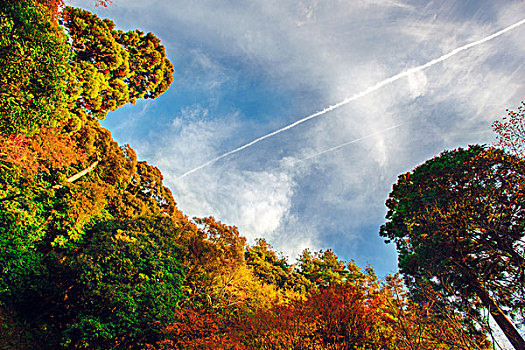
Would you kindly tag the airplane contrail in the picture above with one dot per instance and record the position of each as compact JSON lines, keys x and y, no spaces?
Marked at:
{"x":341,"y":145}
{"x":363,"y":93}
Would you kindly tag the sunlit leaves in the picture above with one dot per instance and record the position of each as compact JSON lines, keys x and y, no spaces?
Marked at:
{"x":458,"y":224}
{"x":151,"y":73}
{"x":511,"y":131}
{"x":113,"y":67}
{"x":34,"y":60}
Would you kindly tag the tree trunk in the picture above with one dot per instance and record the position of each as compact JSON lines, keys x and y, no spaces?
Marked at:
{"x":503,"y":322}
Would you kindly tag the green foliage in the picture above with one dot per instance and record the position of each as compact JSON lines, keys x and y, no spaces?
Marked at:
{"x":267,"y":266}
{"x":94,"y":253}
{"x":312,"y":270}
{"x":458,"y":225}
{"x":324,"y":268}
{"x":128,"y":282}
{"x":20,"y":234}
{"x":115,"y":287}
{"x":113,"y":67}
{"x":34,"y":61}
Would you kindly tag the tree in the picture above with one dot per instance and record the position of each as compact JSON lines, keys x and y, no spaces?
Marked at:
{"x":324,"y":268}
{"x":214,"y":257}
{"x":115,"y":288}
{"x":34,"y":61}
{"x":458,"y":223}
{"x":267,"y":266}
{"x":112,"y":67}
{"x":511,"y":131}
{"x":128,"y":284}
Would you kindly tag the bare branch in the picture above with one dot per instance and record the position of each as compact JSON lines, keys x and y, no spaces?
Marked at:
{"x":80,"y":174}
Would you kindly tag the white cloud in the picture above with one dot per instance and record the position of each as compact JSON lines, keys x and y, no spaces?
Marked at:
{"x":417,"y":83}
{"x":262,"y":201}
{"x":317,"y":53}
{"x":256,"y":202}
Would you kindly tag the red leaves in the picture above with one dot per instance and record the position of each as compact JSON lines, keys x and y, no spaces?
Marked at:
{"x":48,"y":149}
{"x":511,"y":131}
{"x":104,"y":3}
{"x":336,"y":317}
{"x":197,"y":330}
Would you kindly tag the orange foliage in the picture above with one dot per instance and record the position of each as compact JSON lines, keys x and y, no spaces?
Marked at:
{"x":197,"y":330}
{"x":39,"y":153}
{"x":335,"y":317}
{"x":52,"y":7}
{"x":511,"y":131}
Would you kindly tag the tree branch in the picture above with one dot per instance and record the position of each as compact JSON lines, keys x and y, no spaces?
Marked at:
{"x":80,"y":174}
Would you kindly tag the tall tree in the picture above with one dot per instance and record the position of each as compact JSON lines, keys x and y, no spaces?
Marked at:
{"x":269,"y":267}
{"x":114,"y":288}
{"x":214,"y":251}
{"x":324,"y":268}
{"x":34,"y":61}
{"x":113,"y":67}
{"x":458,"y":222}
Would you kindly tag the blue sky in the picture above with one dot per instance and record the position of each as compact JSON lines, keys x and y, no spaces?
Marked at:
{"x":247,"y":68}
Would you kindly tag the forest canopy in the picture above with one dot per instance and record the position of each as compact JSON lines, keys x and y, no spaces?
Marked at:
{"x":95,"y":254}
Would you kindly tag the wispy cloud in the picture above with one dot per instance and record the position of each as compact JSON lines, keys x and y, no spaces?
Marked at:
{"x":416,"y":83}
{"x":248,"y":69}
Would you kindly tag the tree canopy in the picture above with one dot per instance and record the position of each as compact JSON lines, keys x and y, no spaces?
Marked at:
{"x":458,"y":224}
{"x":95,"y":254}
{"x":113,"y":67}
{"x":34,"y":57}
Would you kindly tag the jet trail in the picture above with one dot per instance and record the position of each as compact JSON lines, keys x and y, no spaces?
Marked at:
{"x":360,"y":94}
{"x":342,"y":145}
